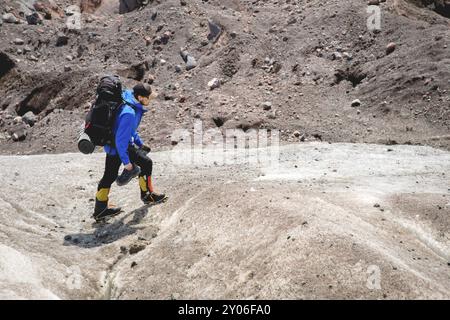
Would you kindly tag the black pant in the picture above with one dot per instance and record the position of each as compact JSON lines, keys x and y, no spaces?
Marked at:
{"x":112,"y":165}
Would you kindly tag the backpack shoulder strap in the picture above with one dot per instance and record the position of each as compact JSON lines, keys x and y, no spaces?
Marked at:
{"x":129,"y":104}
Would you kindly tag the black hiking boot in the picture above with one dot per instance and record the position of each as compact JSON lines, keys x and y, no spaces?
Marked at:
{"x":102,"y":212}
{"x":153,"y":198}
{"x":128,"y":175}
{"x":106,"y":214}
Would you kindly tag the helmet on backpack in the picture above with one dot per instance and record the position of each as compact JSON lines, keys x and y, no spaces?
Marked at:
{"x":110,"y":89}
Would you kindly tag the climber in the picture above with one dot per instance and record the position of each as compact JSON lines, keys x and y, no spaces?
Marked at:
{"x":128,"y":150}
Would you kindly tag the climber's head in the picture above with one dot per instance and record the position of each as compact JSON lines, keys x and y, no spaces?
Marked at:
{"x":142,"y":92}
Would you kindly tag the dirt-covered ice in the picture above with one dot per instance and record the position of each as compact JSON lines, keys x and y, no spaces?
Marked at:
{"x":327,"y":221}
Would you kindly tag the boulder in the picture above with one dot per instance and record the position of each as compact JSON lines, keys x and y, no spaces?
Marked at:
{"x":29,"y":118}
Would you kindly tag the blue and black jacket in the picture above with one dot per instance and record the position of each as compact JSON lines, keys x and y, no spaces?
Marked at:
{"x":125,"y":128}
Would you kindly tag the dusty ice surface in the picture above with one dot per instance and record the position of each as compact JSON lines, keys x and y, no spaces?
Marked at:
{"x":326,"y":221}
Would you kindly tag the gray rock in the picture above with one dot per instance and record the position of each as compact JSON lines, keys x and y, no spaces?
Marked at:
{"x":347,"y":56}
{"x":213,"y":84}
{"x":19,"y":135}
{"x":214,"y":31}
{"x":29,"y":118}
{"x":10,"y":18}
{"x":190,"y":61}
{"x":390,"y":48}
{"x":336,"y":56}
{"x":17,"y":119}
{"x":272,"y":115}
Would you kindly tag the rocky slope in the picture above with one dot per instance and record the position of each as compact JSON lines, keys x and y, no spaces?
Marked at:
{"x":297,"y":66}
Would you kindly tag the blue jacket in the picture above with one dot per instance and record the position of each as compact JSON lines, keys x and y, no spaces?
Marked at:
{"x":125,"y":127}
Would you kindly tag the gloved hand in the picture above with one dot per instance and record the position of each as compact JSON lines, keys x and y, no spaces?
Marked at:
{"x":145,"y":148}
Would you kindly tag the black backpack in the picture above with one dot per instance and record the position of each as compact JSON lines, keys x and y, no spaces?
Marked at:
{"x":101,"y":117}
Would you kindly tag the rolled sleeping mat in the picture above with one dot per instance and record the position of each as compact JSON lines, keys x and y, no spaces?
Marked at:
{"x":84,"y":144}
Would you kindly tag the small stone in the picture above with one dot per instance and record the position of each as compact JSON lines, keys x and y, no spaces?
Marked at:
{"x":178,"y":68}
{"x":272,"y":115}
{"x":19,"y":135}
{"x":213,"y":84}
{"x":29,"y":118}
{"x":164,"y":39}
{"x":356,"y":103}
{"x":34,"y":18}
{"x":9,"y":18}
{"x":17,"y":119}
{"x":190,"y":61}
{"x":62,"y":40}
{"x":267,"y":105}
{"x":214,"y":31}
{"x":376,"y":205}
{"x":390,"y":48}
{"x":18,"y":41}
{"x":296,"y":133}
{"x":292,"y":20}
{"x":347,"y":56}
{"x":336,"y":56}
{"x":150,"y":79}
{"x":135,"y":248}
